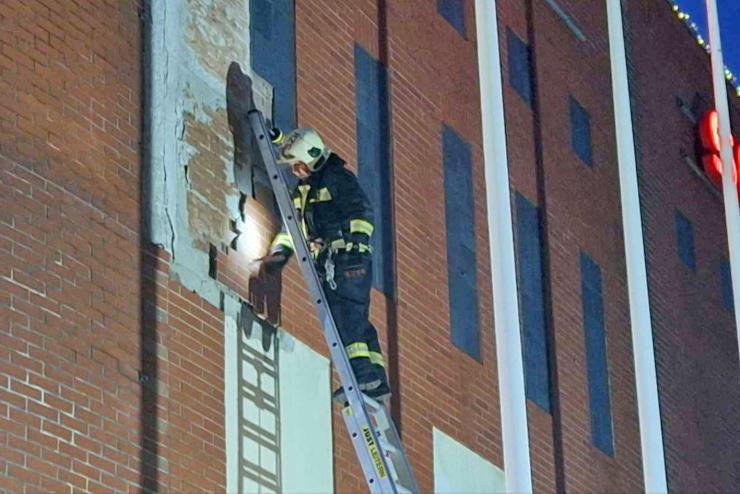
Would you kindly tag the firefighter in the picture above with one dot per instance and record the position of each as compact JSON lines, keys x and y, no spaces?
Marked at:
{"x":337,"y":221}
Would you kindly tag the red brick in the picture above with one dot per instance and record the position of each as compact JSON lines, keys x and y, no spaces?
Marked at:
{"x":51,"y":485}
{"x":71,"y":169}
{"x":73,"y":479}
{"x":14,"y":372}
{"x":23,"y":445}
{"x":28,"y":477}
{"x":43,"y":410}
{"x":85,"y":470}
{"x":41,"y":467}
{"x":56,"y":430}
{"x":57,"y":403}
{"x":13,"y":456}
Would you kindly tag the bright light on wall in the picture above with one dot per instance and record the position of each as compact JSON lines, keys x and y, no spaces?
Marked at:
{"x":255,"y":232}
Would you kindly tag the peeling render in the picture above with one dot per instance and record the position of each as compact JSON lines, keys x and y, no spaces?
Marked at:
{"x":196,"y":209}
{"x":217,"y":31}
{"x":167,"y":180}
{"x":192,"y":199}
{"x":161,"y":117}
{"x":211,"y":195}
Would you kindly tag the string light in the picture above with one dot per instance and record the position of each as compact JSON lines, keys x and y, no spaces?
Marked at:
{"x":694,"y":29}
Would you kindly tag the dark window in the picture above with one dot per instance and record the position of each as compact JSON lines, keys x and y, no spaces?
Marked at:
{"x":685,"y":240}
{"x":272,"y":35}
{"x":726,"y":282}
{"x":460,"y":226}
{"x":454,"y":12}
{"x":520,"y":75}
{"x":531,"y":303}
{"x":699,"y":106}
{"x":373,"y":156}
{"x":596,"y":362}
{"x":580,"y":131}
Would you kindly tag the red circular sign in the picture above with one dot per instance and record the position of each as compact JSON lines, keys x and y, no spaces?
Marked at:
{"x":710,"y":143}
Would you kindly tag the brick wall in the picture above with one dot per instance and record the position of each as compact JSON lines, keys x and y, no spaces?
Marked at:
{"x":428,"y":62}
{"x":695,"y":338}
{"x":111,"y":372}
{"x":184,"y":435}
{"x":580,"y":205}
{"x":69,"y":159}
{"x":80,"y":351}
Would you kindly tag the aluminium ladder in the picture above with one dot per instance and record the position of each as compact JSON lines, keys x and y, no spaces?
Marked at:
{"x":374,"y":436}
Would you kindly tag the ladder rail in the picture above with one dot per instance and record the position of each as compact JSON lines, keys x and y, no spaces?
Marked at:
{"x":365,"y":438}
{"x":394,"y":448}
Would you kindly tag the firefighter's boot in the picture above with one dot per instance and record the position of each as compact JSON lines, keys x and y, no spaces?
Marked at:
{"x":383,"y":390}
{"x":368,"y":379}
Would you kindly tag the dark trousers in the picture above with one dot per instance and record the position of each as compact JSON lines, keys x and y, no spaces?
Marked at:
{"x":350,"y":305}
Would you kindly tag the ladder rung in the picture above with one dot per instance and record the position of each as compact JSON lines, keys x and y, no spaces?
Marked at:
{"x":388,"y":446}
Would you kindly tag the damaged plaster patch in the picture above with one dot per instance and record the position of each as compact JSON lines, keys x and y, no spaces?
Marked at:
{"x":210,"y":188}
{"x":194,"y":201}
{"x":162,"y":115}
{"x":217,"y":31}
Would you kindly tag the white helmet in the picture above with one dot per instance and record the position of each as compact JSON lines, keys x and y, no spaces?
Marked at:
{"x":303,"y":145}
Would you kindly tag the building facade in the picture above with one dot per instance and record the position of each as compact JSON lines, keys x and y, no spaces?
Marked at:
{"x":138,"y":354}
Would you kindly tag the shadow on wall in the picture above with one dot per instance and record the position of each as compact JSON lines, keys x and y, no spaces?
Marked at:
{"x":164,"y":212}
{"x":280,"y":434}
{"x":259,"y":406}
{"x":257,"y":209}
{"x":149,"y":372}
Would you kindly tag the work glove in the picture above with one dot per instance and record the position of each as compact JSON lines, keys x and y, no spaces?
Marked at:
{"x":276,"y":135}
{"x":268,"y":265}
{"x":315,"y":246}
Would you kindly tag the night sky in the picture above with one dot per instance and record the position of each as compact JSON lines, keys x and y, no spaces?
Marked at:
{"x":729,"y":25}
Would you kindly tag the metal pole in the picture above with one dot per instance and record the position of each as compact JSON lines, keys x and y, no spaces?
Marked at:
{"x":501,"y":237}
{"x":651,"y":437}
{"x":729,"y":190}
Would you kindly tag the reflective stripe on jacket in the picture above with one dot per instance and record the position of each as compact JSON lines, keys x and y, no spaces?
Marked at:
{"x":331,"y":206}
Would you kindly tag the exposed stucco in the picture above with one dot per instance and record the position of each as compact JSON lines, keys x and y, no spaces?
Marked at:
{"x":192,"y":183}
{"x":217,"y":32}
{"x":209,"y":187}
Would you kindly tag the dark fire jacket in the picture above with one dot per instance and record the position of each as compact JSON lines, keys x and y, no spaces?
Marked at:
{"x":332,"y":207}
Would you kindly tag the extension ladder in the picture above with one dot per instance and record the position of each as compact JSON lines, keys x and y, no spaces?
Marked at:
{"x":374,"y":436}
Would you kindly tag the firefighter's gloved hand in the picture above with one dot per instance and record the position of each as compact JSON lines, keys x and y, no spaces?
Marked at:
{"x":315,"y":245}
{"x":276,"y":135}
{"x":267,"y":265}
{"x":276,"y":260}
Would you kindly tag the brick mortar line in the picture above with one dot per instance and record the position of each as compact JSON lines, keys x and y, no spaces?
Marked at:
{"x":48,"y":181}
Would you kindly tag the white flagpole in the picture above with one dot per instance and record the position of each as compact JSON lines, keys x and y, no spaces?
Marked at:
{"x":651,"y":437}
{"x":517,"y":469}
{"x":729,"y":190}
